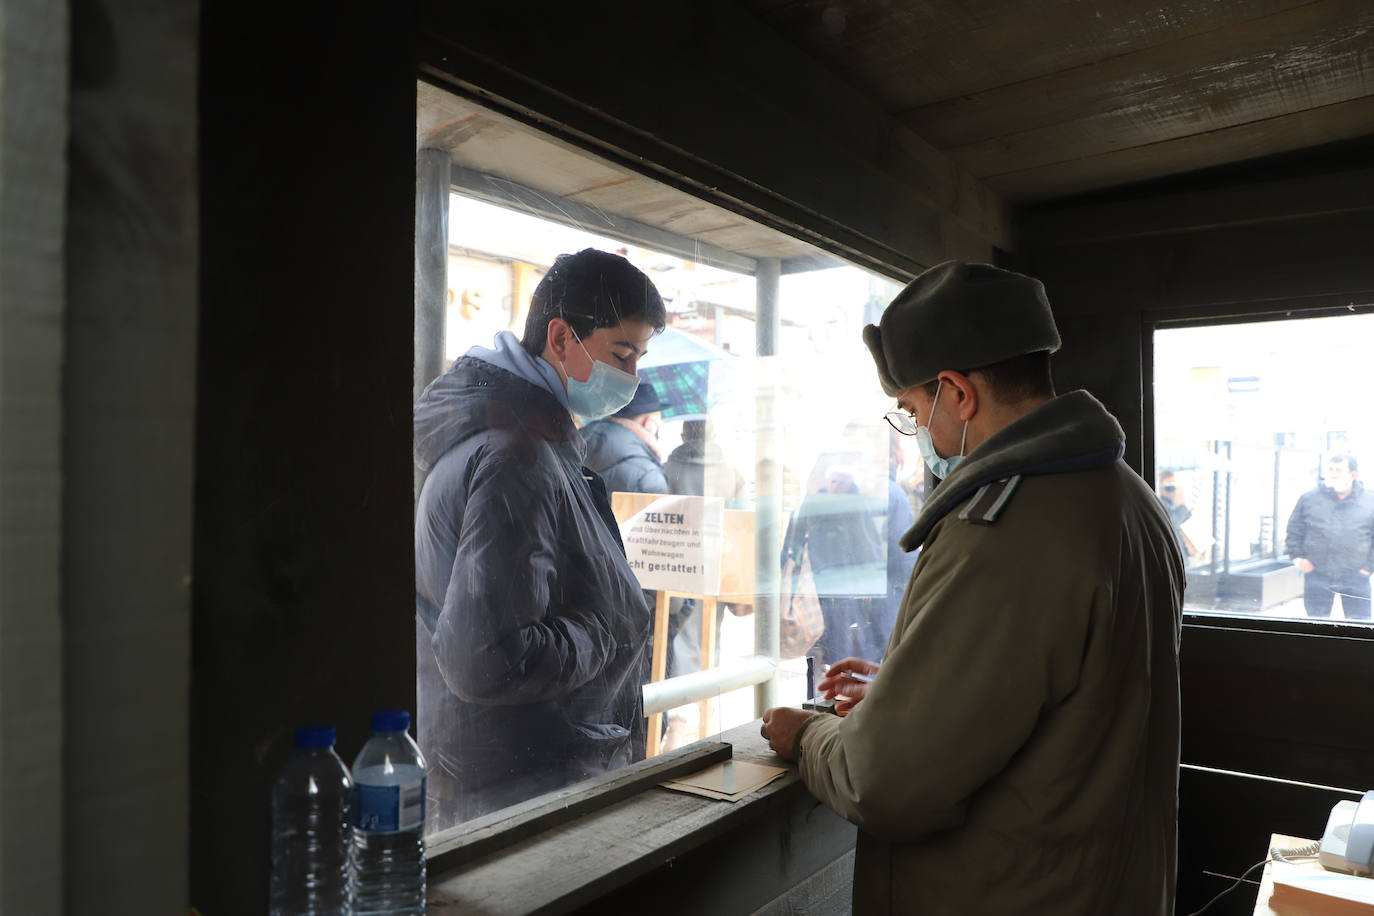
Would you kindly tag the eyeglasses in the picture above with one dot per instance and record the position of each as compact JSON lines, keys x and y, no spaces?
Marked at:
{"x":901,"y":421}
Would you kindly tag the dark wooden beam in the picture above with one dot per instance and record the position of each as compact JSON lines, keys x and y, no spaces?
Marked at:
{"x":468,"y":842}
{"x":1262,"y":202}
{"x":1313,"y":127}
{"x":728,"y":111}
{"x":1313,"y":55}
{"x":921,"y":53}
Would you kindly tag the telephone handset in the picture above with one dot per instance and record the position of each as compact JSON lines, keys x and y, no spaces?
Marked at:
{"x":1348,"y":844}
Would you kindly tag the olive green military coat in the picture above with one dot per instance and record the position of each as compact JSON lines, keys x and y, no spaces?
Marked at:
{"x":1018,"y":752}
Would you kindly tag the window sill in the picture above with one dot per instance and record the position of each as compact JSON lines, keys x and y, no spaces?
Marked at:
{"x":574,"y":864}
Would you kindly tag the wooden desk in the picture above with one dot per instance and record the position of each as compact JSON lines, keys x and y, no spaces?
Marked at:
{"x":1306,"y":867}
{"x":1266,"y":889}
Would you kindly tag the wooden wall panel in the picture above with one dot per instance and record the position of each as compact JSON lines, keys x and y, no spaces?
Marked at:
{"x":733,"y":113}
{"x":1266,"y":698}
{"x":304,"y":596}
{"x":919,"y":53}
{"x":1283,"y":133}
{"x":1311,"y":55}
{"x":132,"y":249}
{"x":34,"y":99}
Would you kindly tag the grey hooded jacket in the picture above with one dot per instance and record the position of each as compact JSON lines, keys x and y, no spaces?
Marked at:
{"x":531,"y":626}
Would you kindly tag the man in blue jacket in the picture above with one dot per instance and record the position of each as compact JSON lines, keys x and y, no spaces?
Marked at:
{"x":531,"y":628}
{"x":1331,"y":539}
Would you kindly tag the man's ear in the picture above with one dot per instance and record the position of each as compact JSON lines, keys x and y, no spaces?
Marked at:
{"x":557,"y":339}
{"x":966,"y":403}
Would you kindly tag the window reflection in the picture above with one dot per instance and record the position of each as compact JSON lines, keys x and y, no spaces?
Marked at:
{"x":1260,"y":476}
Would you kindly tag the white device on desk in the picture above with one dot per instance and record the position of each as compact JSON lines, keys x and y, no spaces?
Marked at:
{"x":1348,"y":843}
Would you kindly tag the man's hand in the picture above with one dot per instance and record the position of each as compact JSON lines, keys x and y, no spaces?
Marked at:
{"x":846,"y":691}
{"x":1304,"y":564}
{"x":781,"y":726}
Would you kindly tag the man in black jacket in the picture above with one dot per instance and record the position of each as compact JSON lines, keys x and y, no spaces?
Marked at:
{"x":1331,"y":539}
{"x":531,"y":626}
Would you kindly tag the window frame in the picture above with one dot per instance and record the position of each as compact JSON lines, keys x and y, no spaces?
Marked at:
{"x":759,"y":669}
{"x":1263,"y":695}
{"x":1240,"y":313}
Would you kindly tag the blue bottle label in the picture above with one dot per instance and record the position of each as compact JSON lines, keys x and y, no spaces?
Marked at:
{"x":387,"y":809}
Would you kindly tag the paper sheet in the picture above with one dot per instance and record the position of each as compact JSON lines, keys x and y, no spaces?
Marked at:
{"x":729,"y":780}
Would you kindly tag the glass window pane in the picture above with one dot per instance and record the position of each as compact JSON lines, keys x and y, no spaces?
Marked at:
{"x":737,"y":486}
{"x":1260,"y":432}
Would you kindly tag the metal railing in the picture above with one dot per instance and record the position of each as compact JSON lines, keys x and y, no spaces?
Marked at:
{"x":733,"y":674}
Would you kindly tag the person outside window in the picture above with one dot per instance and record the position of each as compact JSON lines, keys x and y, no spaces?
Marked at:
{"x":531,"y":627}
{"x":697,"y":467}
{"x":1172,"y":501}
{"x":1017,"y":750}
{"x":623,"y":448}
{"x":1331,"y":539}
{"x":840,"y":530}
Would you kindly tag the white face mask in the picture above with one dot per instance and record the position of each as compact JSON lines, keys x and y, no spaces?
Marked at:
{"x":604,"y":392}
{"x":940,"y":467}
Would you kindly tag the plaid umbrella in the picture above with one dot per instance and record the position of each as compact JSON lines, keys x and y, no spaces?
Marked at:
{"x":678,"y":365}
{"x":683,"y":386}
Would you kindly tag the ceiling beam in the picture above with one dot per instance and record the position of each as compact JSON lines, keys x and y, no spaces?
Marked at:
{"x":1160,"y":214}
{"x":730,"y":112}
{"x":565,"y":211}
{"x":1315,"y":54}
{"x":1332,"y":123}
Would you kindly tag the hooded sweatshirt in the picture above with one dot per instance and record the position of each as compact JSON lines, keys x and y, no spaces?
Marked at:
{"x":1018,"y":751}
{"x":531,"y":627}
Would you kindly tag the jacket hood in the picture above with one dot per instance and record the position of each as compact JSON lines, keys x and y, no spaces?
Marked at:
{"x":609,"y":443}
{"x":475,"y":396}
{"x":1072,"y":432}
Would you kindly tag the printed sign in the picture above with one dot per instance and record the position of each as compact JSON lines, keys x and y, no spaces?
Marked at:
{"x":674,"y":544}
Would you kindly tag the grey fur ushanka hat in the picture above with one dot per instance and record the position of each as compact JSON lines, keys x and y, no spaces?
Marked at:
{"x":959,"y":316}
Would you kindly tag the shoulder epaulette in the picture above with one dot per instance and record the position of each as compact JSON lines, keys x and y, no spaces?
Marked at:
{"x":987,"y":503}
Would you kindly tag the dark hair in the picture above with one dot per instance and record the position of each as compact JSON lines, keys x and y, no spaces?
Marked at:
{"x":589,"y":290}
{"x":1346,"y":459}
{"x":1013,"y":380}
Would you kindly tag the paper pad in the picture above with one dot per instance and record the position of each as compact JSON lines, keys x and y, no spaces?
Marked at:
{"x":729,"y":781}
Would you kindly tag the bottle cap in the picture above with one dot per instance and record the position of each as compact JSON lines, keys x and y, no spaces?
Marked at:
{"x":315,"y":736}
{"x":391,"y":720}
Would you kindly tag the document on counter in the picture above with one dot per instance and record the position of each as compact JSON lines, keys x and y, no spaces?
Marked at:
{"x":729,"y":780}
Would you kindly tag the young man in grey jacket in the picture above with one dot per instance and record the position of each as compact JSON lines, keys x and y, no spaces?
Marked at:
{"x":531,"y":626}
{"x":1017,"y":750}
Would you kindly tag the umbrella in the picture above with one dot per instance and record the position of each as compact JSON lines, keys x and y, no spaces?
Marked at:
{"x":678,"y":365}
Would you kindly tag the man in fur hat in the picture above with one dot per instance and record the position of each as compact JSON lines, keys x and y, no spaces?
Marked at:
{"x":1017,"y":750}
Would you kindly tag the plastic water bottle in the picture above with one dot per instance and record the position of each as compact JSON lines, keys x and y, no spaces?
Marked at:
{"x":388,"y":869}
{"x":311,"y":802}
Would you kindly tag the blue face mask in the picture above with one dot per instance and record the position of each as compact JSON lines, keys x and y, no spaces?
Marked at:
{"x":604,"y":392}
{"x":940,"y":467}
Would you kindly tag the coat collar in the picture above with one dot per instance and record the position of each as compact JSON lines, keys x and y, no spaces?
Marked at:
{"x":1072,"y":432}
